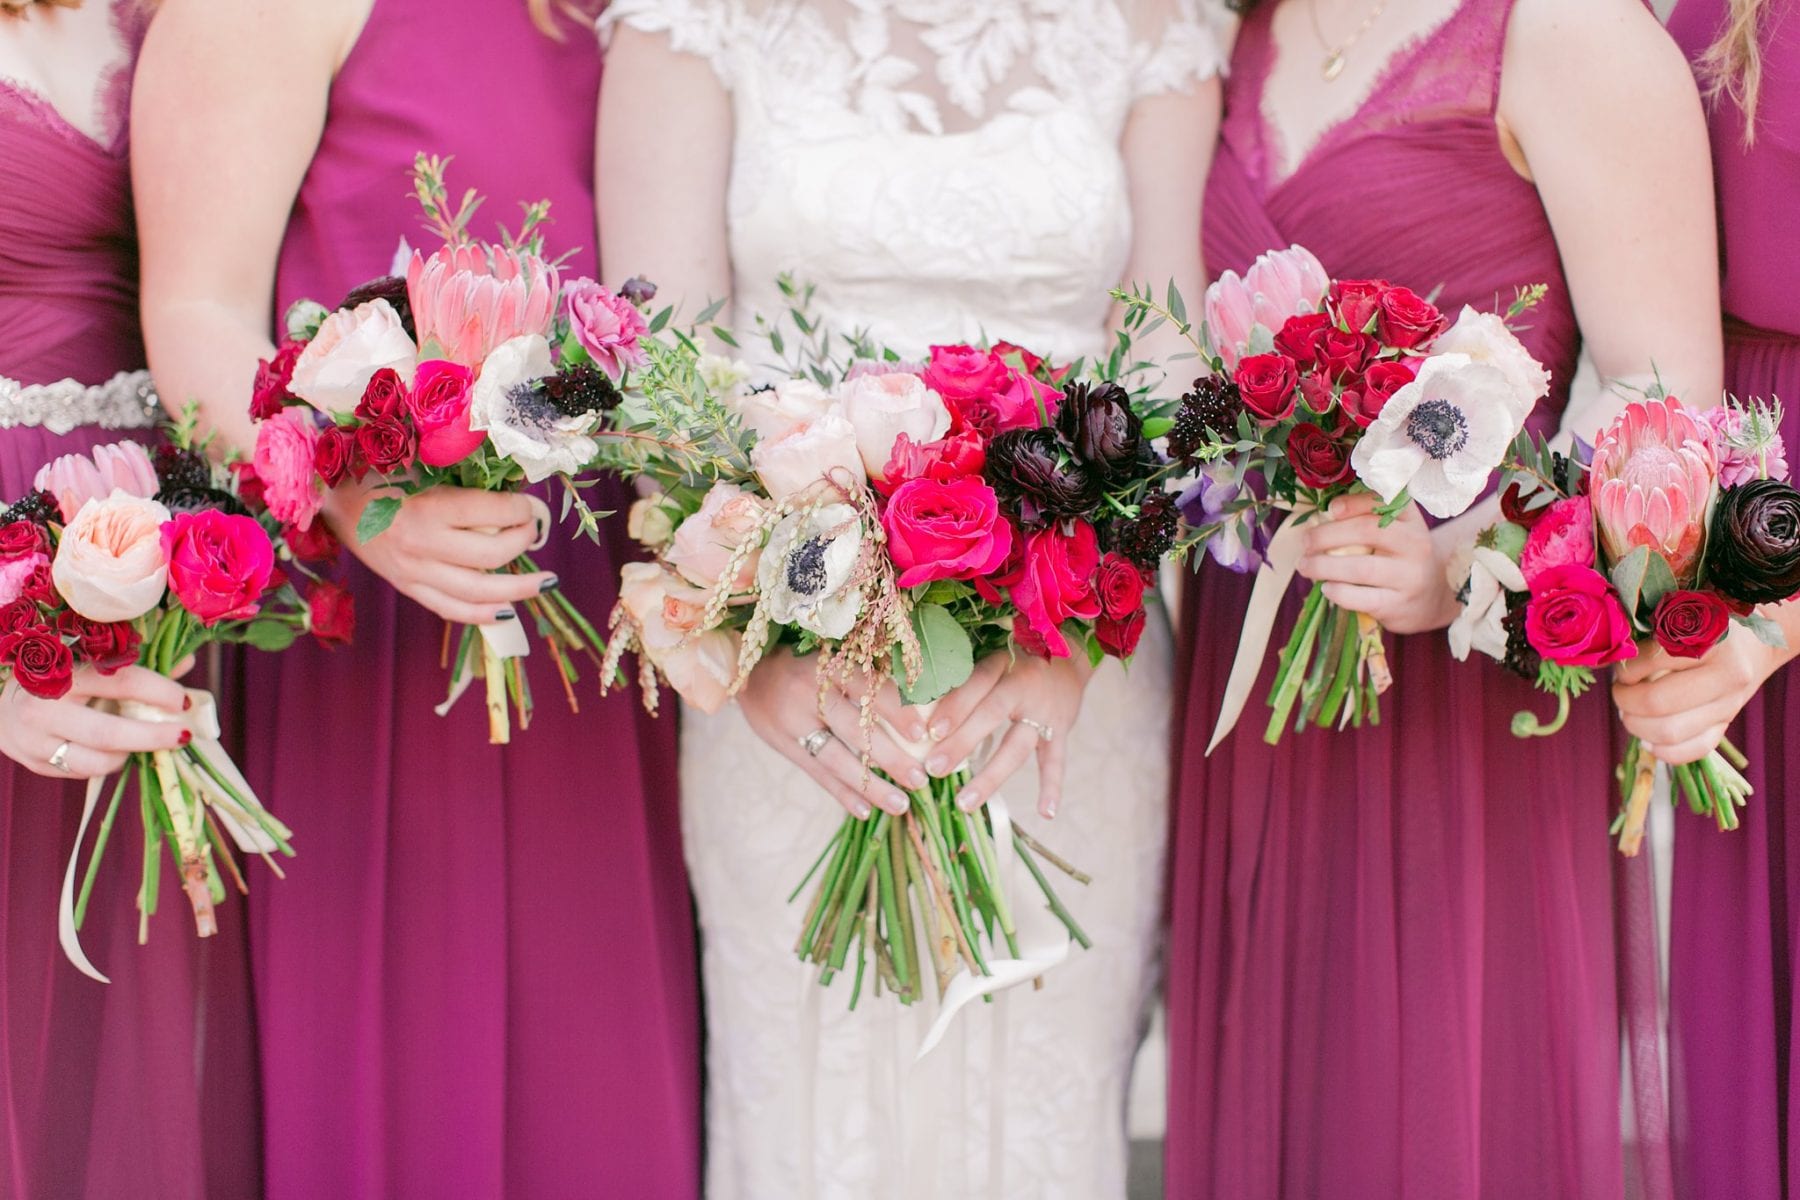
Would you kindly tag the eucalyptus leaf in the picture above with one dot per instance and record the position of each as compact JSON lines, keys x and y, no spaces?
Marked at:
{"x":1767,"y":632}
{"x":377,"y":515}
{"x":1177,"y":308}
{"x":946,"y":656}
{"x":1628,"y":576}
{"x":1659,"y":581}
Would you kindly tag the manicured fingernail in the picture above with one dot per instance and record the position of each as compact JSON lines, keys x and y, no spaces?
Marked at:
{"x":861,"y":810}
{"x":968,"y":799}
{"x":916,"y":778}
{"x":187,"y":735}
{"x":548,"y":585}
{"x":1049,"y":810}
{"x":898,"y":804}
{"x":937,"y":764}
{"x":940,"y":729}
{"x":506,"y":614}
{"x":187,"y":702}
{"x":916,"y":733}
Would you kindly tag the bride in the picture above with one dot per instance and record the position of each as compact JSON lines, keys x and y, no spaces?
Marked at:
{"x":943,"y":172}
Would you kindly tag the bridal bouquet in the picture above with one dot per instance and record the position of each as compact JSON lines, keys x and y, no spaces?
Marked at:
{"x":124,"y":557}
{"x":1321,"y":388}
{"x":1674,"y":525}
{"x":892,"y":518}
{"x":480,"y":368}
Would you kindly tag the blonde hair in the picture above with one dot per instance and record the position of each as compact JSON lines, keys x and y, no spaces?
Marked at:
{"x":1732,"y":66}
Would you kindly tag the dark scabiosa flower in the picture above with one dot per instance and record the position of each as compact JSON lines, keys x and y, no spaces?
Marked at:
{"x":578,"y":391}
{"x":1213,"y":406}
{"x":199,"y":499}
{"x":1520,"y":658}
{"x":37,"y":507}
{"x":391,"y":288}
{"x":1039,"y":476}
{"x":178,"y":468}
{"x":1147,"y":538}
{"x":638,"y":290}
{"x":1753,"y":553}
{"x":1097,"y":421}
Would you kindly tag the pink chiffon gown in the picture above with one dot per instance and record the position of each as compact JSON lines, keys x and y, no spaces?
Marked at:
{"x":1391,"y":965}
{"x":479,"y":979}
{"x":145,"y":1087}
{"x":1734,"y":927}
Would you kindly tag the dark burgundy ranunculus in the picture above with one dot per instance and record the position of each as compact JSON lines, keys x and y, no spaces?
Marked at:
{"x":1688,"y":624}
{"x":1319,"y":460}
{"x":1097,"y":420}
{"x":40,"y":662}
{"x":1753,"y":552}
{"x":387,"y":445}
{"x":1039,"y":475}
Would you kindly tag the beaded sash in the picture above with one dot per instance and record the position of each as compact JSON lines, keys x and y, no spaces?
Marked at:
{"x":126,"y":401}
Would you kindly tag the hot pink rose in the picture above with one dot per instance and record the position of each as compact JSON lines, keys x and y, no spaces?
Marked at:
{"x":74,"y":479}
{"x":705,"y":543}
{"x":219,"y":564}
{"x":948,"y":530}
{"x":1575,"y":618}
{"x":607,"y":326}
{"x":1056,"y":582}
{"x":285,"y":460}
{"x":964,"y":373}
{"x":440,"y":410}
{"x":1562,"y":535}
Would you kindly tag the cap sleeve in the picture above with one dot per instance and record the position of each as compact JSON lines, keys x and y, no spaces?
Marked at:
{"x":703,"y":28}
{"x":1177,"y":43}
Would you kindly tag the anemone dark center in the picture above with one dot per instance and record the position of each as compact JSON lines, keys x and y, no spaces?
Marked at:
{"x":530,"y":409}
{"x":1438,"y":427}
{"x":806,"y":567}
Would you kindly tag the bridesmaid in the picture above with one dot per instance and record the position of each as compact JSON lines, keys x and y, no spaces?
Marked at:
{"x":1735,"y":911}
{"x":145,"y":1087}
{"x":478,"y":980}
{"x":1392,"y":967}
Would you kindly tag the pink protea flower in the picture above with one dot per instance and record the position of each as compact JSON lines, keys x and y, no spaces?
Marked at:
{"x":1279,"y":284}
{"x":1652,"y":480}
{"x":74,"y":479}
{"x":468,"y":299}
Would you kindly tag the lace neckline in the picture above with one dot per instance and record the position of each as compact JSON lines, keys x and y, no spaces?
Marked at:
{"x":1276,"y":168}
{"x":112,"y":93}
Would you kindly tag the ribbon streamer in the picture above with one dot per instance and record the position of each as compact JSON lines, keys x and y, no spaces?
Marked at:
{"x":504,"y":639}
{"x":1272,"y":582}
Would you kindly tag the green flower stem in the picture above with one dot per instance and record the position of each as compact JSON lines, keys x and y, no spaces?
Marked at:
{"x":837,"y":839}
{"x":1349,"y":661}
{"x":1050,"y":896}
{"x":1733,"y":754}
{"x":907,"y":948}
{"x":977,"y":825}
{"x":890,"y":912}
{"x":859,"y":882}
{"x":100,"y":838}
{"x":1526,"y":724}
{"x":938,"y":842}
{"x":1295,"y":658}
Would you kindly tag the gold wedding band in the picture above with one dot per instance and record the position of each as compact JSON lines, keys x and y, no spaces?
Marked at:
{"x":59,"y":758}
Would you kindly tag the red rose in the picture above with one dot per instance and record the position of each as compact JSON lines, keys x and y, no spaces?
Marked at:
{"x":1407,"y":320}
{"x":1513,"y":507}
{"x":1267,"y":383}
{"x":269,"y":394}
{"x":20,"y":614}
{"x":1299,"y":337}
{"x":220,"y":564}
{"x":954,"y":457}
{"x":1319,"y":460}
{"x":21,"y":539}
{"x":1121,"y":586}
{"x":40,"y":588}
{"x":1056,"y":582}
{"x":387,"y":445}
{"x":334,"y":456}
{"x":1026,"y":360}
{"x":1575,"y":619}
{"x":440,"y":408}
{"x":385,"y":396}
{"x":1688,"y":624}
{"x":1379,"y":383}
{"x":39,"y":660}
{"x":1357,"y":302}
{"x":1119,"y":636}
{"x":315,"y":543}
{"x":948,"y":530}
{"x":110,"y":645}
{"x":331,"y":614}
{"x":1344,"y":355}
{"x":249,"y":485}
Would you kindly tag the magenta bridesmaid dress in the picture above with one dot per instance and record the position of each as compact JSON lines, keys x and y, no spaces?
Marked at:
{"x":1734,"y":928}
{"x":145,"y":1087}
{"x":479,"y":979}
{"x":1391,"y":967}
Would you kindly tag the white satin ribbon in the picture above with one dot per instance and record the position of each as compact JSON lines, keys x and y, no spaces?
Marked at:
{"x":1272,"y":581}
{"x":201,"y":720}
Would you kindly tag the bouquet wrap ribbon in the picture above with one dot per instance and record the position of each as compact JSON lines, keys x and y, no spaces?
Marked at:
{"x":1272,"y":580}
{"x":201,"y":720}
{"x":500,"y":639}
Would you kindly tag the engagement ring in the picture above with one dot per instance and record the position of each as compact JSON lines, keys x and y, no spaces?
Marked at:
{"x":59,"y":758}
{"x":1044,"y":732}
{"x":816,"y":741}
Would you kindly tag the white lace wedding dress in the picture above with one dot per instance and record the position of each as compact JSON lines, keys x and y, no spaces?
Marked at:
{"x":942,"y":171}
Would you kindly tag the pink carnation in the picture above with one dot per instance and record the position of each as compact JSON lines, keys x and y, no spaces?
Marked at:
{"x":1562,"y":536}
{"x":607,"y":326}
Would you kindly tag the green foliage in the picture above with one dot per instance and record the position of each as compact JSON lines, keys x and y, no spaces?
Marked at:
{"x":946,"y":655}
{"x":376,"y":516}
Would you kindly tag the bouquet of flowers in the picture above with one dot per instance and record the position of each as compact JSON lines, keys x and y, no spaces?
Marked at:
{"x":893,"y":518}
{"x":481,"y":368}
{"x":1321,"y":388}
{"x":1674,"y":525}
{"x":127,"y":557}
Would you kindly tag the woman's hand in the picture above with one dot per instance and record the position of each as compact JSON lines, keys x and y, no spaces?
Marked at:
{"x":32,"y":730}
{"x":781,"y":702}
{"x":1395,"y":574}
{"x":445,"y":545}
{"x":1034,"y":701}
{"x":1680,"y":708}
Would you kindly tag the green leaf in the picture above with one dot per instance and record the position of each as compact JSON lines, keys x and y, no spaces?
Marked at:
{"x":1096,"y":653}
{"x":376,"y":517}
{"x":1157,"y":427}
{"x":270,"y":635}
{"x":1659,"y":581}
{"x":661,"y":320}
{"x":946,"y":656}
{"x":1766,"y":631}
{"x":710,"y":311}
{"x":1176,"y":307}
{"x":1628,"y":576}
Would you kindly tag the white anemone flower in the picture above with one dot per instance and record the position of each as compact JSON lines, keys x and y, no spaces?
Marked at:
{"x":1441,"y":437}
{"x":1482,"y":623}
{"x":805,"y":571}
{"x":520,"y":420}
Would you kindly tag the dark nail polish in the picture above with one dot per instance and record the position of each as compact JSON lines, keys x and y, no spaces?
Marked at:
{"x":548,"y":585}
{"x":187,"y":735}
{"x":506,"y":614}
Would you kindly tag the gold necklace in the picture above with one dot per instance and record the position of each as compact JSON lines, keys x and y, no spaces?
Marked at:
{"x":1333,"y":66}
